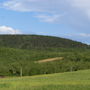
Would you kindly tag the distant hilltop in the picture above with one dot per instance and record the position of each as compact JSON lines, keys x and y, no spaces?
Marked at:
{"x":38,"y":41}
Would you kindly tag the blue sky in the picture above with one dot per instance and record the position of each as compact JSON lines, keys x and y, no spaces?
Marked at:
{"x":63,"y":18}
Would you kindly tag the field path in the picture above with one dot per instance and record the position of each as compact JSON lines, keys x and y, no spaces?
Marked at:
{"x":50,"y":59}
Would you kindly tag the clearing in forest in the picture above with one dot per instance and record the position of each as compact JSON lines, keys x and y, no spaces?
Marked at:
{"x":50,"y":59}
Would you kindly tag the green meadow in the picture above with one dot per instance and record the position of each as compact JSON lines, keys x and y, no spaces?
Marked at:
{"x":79,"y":80}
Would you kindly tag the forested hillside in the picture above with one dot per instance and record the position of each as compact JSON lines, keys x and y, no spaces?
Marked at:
{"x":22,"y":54}
{"x":37,"y":41}
{"x":12,"y":60}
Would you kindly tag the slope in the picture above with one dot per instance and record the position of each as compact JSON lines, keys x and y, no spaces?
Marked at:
{"x":22,"y":51}
{"x":79,"y":80}
{"x":38,"y":41}
{"x":11,"y":60}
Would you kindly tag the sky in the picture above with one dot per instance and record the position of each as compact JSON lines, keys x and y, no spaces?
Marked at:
{"x":62,"y":18}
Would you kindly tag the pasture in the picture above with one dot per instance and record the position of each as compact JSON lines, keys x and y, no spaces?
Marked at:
{"x":79,"y":80}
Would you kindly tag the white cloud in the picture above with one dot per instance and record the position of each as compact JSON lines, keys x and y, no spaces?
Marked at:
{"x":83,"y":5}
{"x":34,"y":5}
{"x":49,"y":18}
{"x":8,"y":30}
{"x":46,"y":5}
{"x":85,"y":35}
{"x":75,"y":10}
{"x":56,"y":7}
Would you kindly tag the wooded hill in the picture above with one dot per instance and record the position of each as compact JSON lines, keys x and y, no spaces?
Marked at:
{"x":38,"y":41}
{"x":23,"y":52}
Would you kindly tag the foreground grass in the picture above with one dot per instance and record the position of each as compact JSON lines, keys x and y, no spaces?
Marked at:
{"x":79,"y":80}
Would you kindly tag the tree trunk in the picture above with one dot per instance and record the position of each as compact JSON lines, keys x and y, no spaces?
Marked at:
{"x":21,"y":72}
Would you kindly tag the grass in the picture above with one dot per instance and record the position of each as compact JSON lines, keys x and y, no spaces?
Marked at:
{"x":79,"y":80}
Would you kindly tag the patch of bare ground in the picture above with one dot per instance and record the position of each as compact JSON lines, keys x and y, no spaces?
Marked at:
{"x":50,"y":60}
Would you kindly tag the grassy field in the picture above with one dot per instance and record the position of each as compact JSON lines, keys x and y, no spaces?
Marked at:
{"x":79,"y":80}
